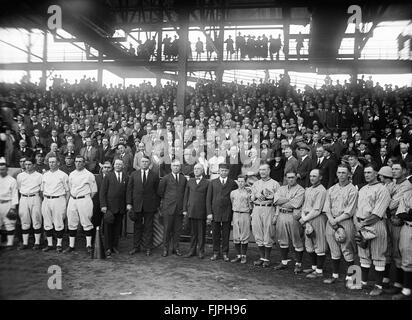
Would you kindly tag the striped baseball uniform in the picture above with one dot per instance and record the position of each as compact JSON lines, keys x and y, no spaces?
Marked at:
{"x":405,"y":236}
{"x":241,"y":215}
{"x":8,"y":197}
{"x":54,"y":186}
{"x":263,"y":213}
{"x":80,"y":208}
{"x":373,"y":199}
{"x":341,"y":200}
{"x":288,"y":215}
{"x":30,"y":201}
{"x":399,"y":189}
{"x":312,"y":213}
{"x":388,"y":253}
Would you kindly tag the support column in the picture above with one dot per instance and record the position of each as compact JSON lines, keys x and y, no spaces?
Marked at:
{"x":43,"y":82}
{"x":219,"y":47}
{"x":29,"y":45}
{"x":286,"y":24}
{"x":182,"y":63}
{"x":159,"y":45}
{"x":100,"y":70}
{"x":356,"y":56}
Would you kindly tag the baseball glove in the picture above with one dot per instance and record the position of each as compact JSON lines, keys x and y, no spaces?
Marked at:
{"x":368,"y":233}
{"x":132,"y":215}
{"x":108,"y":217}
{"x":309,"y":231}
{"x":340,"y":234}
{"x":12,"y":214}
{"x":396,"y":221}
{"x":361,"y":241}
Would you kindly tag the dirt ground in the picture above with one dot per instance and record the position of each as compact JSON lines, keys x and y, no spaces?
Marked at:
{"x":23,"y":275}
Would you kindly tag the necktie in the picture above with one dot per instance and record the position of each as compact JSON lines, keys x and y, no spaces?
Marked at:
{"x":144,"y":177}
{"x":118,"y":177}
{"x":177,"y":178}
{"x":318,"y":162}
{"x":197,"y":180}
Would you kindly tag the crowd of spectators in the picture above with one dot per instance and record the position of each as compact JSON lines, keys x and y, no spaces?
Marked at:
{"x":354,"y":122}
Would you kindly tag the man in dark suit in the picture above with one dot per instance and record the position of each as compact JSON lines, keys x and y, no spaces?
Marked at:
{"x":304,"y":165}
{"x":383,"y":158}
{"x":219,"y":210}
{"x":143,"y":201}
{"x":319,"y":160}
{"x":404,"y":148}
{"x":113,"y":201}
{"x":194,"y":206}
{"x":358,"y":176}
{"x":329,"y":169}
{"x":233,"y":160}
{"x":90,"y":156}
{"x":171,"y":191}
{"x":126,"y":157}
{"x":105,"y":153}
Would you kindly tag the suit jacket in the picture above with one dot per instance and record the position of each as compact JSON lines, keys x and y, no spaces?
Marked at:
{"x":112,"y":194}
{"x":172,"y":194}
{"x":290,"y":165}
{"x":358,"y":177}
{"x":105,"y":155}
{"x":96,"y":199}
{"x":90,"y":157}
{"x":381,"y":163}
{"x":329,"y":172}
{"x":303,"y":169}
{"x":194,"y":202}
{"x":408,"y":158}
{"x":235,"y":166}
{"x":143,"y":197}
{"x":218,"y":202}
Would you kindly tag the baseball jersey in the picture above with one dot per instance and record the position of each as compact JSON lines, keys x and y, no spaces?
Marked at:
{"x":373,"y":199}
{"x":260,"y":186}
{"x":8,"y":190}
{"x":29,"y":183}
{"x":82,"y":183}
{"x":405,"y":202}
{"x":398,"y":191}
{"x":55,"y":183}
{"x":341,"y":200}
{"x":240,"y":200}
{"x":294,"y":194}
{"x":314,"y":201}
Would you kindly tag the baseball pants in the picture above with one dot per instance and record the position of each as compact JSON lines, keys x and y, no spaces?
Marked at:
{"x":262,"y":226}
{"x":375,"y":251}
{"x":348,"y":248}
{"x":80,"y":210}
{"x":388,"y":253}
{"x":54,"y":213}
{"x":5,"y":223}
{"x":393,"y":244}
{"x":288,"y":230}
{"x":405,"y":246}
{"x":317,"y":243}
{"x":30,"y":212}
{"x":241,"y":227}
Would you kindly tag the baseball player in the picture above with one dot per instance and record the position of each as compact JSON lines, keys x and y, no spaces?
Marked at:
{"x":312,"y":213}
{"x":405,"y":246}
{"x":340,"y":206}
{"x":82,"y":185}
{"x":263,"y":192}
{"x":9,"y":199}
{"x":28,"y":184}
{"x":241,"y":207}
{"x":373,"y":201}
{"x":398,"y":189}
{"x":288,"y":201}
{"x":55,"y":189}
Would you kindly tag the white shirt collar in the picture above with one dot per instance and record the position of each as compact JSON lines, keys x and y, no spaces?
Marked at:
{"x":304,"y":157}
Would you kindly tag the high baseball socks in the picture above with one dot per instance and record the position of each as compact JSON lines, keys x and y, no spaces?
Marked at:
{"x":89,"y":234}
{"x":399,"y":276}
{"x":72,"y":238}
{"x":267,"y":253}
{"x":244,"y":249}
{"x":407,"y":283}
{"x":59,"y":235}
{"x":10,"y":238}
{"x":313,"y":259}
{"x":25,"y":235}
{"x":321,"y":262}
{"x":37,"y":235}
{"x":365,"y":274}
{"x":298,"y":257}
{"x":386,"y":273}
{"x":238,"y":248}
{"x":335,"y":268}
{"x":379,"y":278}
{"x":284,"y":255}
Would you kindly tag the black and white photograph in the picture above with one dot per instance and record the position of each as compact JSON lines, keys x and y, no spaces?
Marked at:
{"x":206,"y":154}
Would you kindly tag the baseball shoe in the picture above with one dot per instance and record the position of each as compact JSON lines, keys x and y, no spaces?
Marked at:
{"x":392,"y":290}
{"x":237,"y":259}
{"x":309,"y":270}
{"x":265,"y":264}
{"x":243,"y":260}
{"x":401,"y":296}
{"x":376,"y":291}
{"x":201,"y":255}
{"x":330,"y":280}
{"x":314,"y":275}
{"x":298,"y":269}
{"x":115,"y":250}
{"x":352,"y":286}
{"x":59,"y":249}
{"x":68,"y":250}
{"x":177,"y":252}
{"x":280,"y":266}
{"x":258,"y":263}
{"x":36,"y":247}
{"x":108,"y":253}
{"x":48,"y":248}
{"x":214,"y":257}
{"x":8,"y":248}
{"x":148,"y":253}
{"x":165,"y":253}
{"x":225,"y":258}
{"x":22,"y":247}
{"x":89,"y":250}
